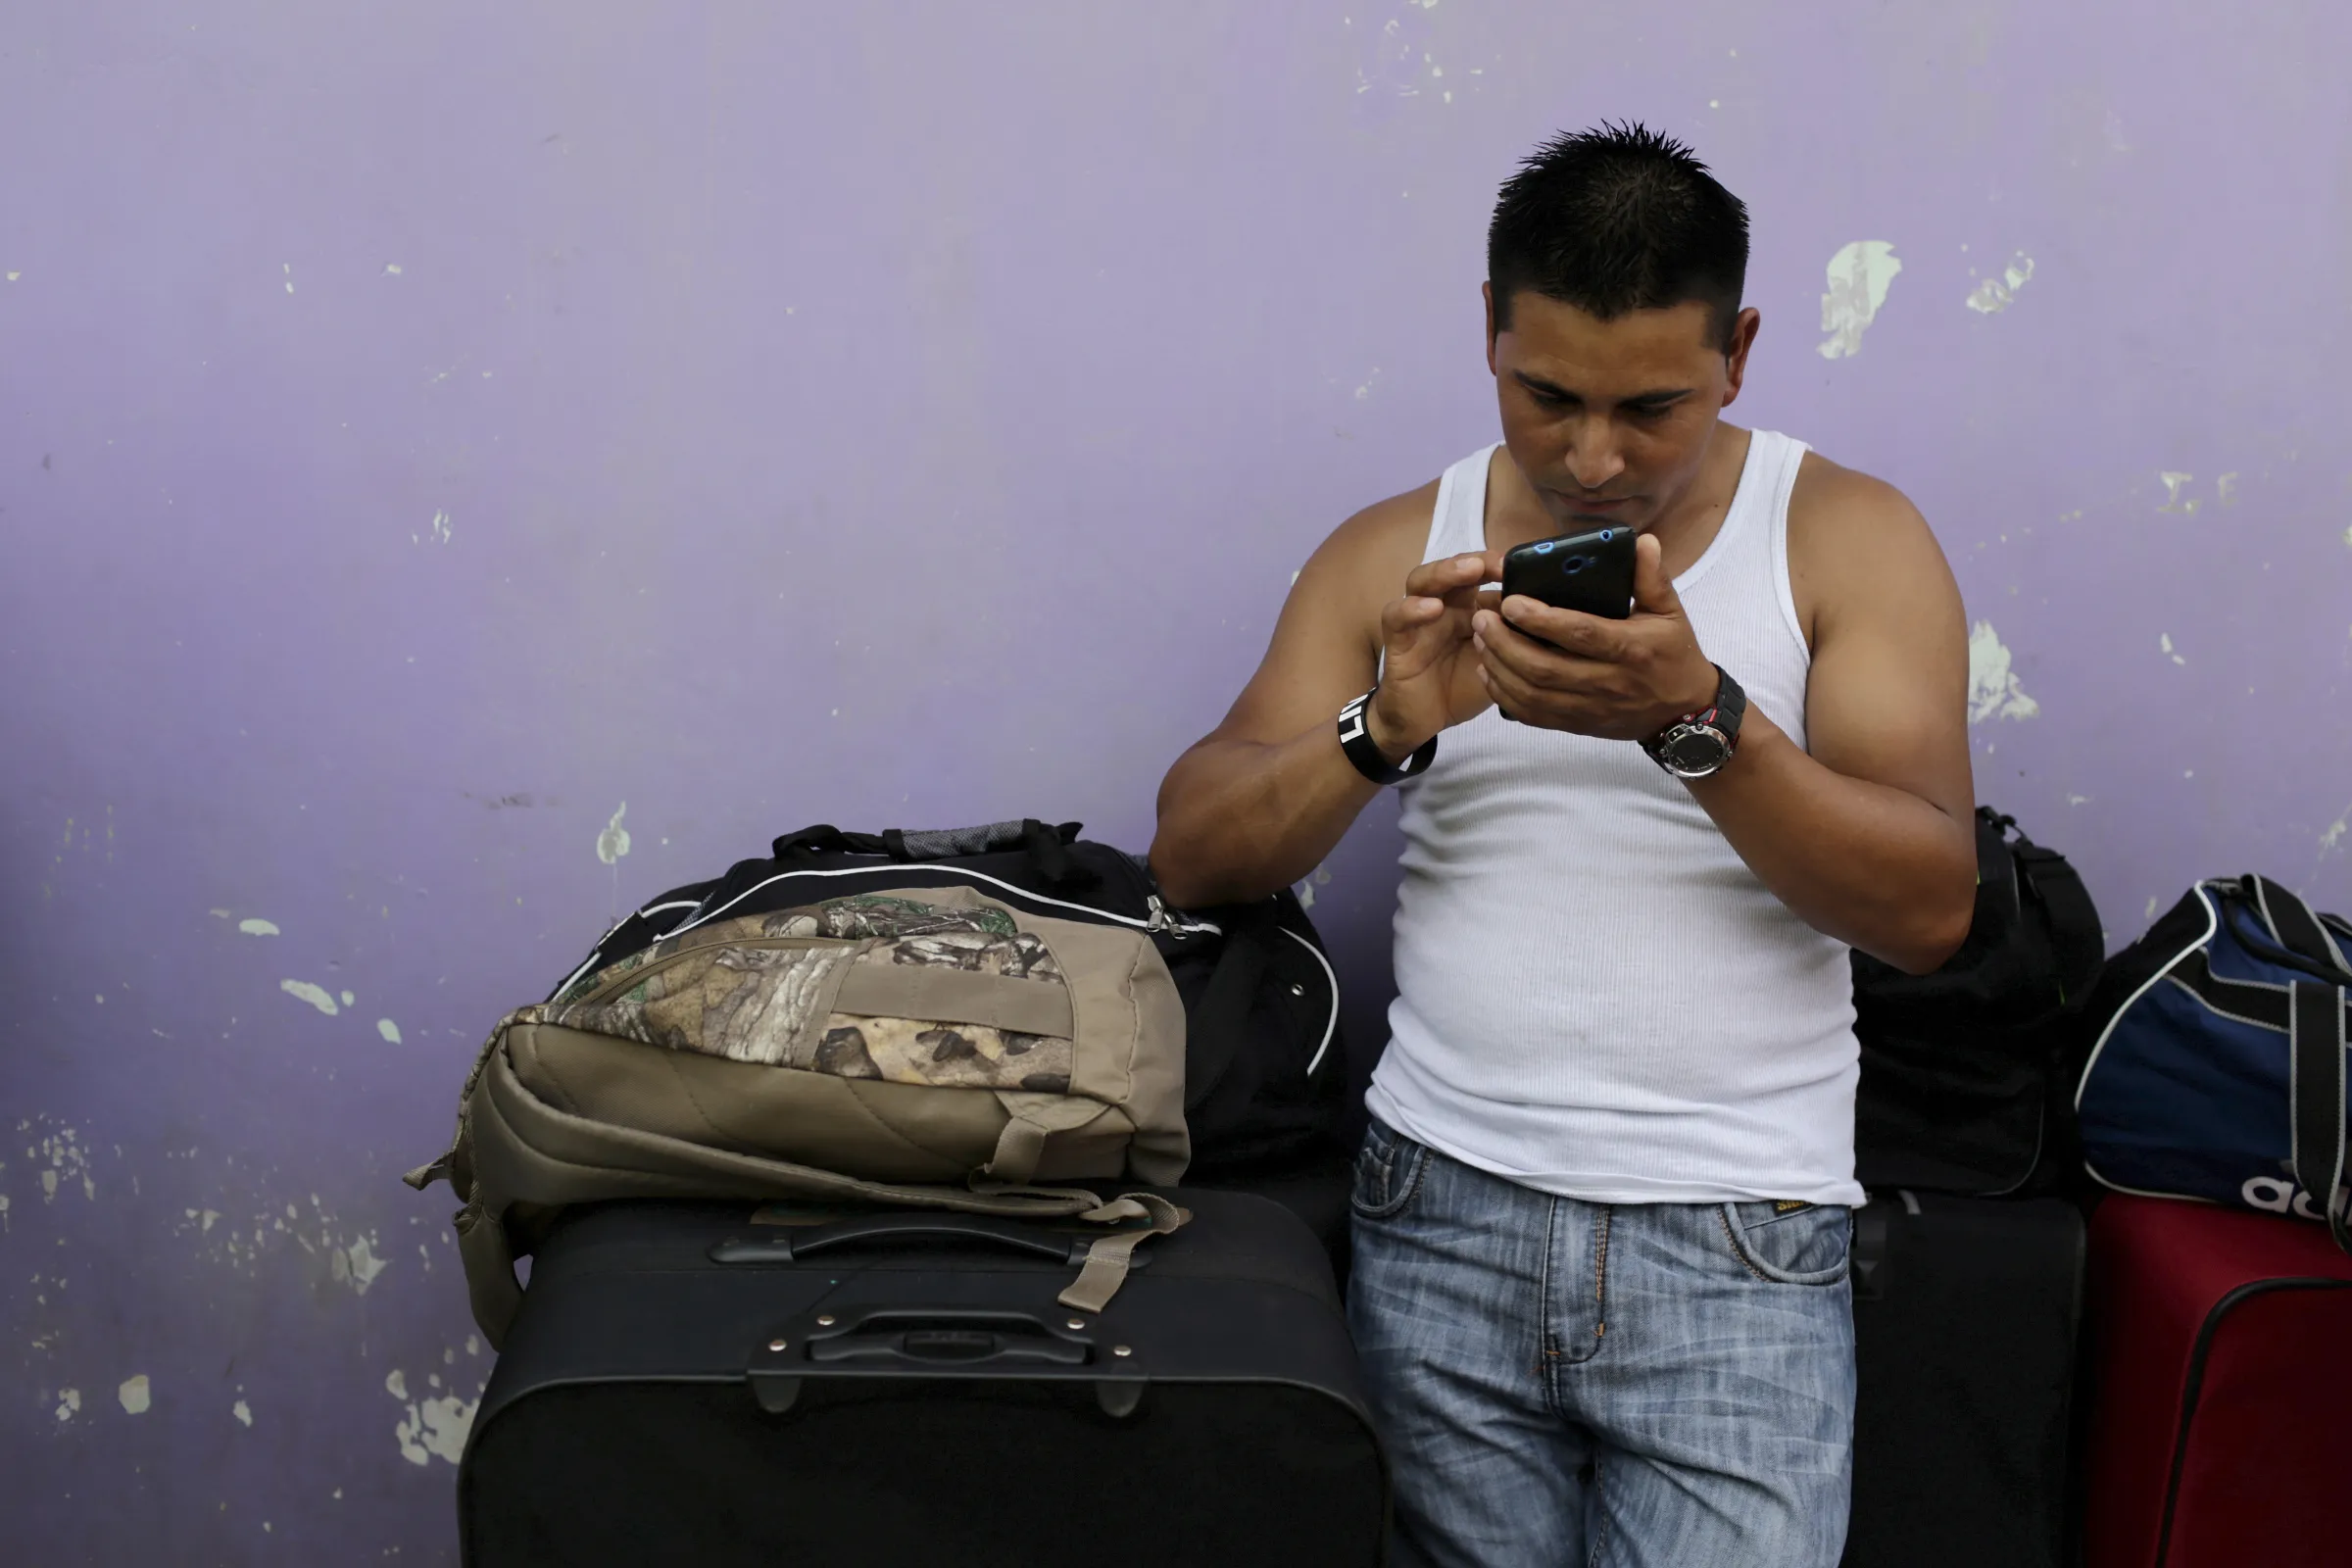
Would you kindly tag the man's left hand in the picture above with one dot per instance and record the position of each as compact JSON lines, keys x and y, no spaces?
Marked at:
{"x":1616,"y":679}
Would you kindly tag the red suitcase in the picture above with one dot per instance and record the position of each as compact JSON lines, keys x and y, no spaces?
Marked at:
{"x":2224,"y":1348}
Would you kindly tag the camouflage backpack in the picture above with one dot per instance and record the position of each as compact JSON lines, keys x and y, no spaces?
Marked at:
{"x":926,"y":1047}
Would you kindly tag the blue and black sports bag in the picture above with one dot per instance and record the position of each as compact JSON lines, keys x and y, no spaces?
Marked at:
{"x":2220,"y":1072}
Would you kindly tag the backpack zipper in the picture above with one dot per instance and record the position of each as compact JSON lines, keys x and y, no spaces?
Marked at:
{"x":620,"y":983}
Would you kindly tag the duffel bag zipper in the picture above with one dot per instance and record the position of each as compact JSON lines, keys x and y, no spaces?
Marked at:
{"x":1162,"y":920}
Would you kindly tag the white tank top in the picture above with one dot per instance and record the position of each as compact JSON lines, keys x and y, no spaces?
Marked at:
{"x":1596,"y":997}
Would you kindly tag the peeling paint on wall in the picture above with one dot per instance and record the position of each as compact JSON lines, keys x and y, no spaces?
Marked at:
{"x":2164,"y":646}
{"x":1994,"y":294}
{"x":62,"y":1160}
{"x":613,"y":842}
{"x":2174,"y":480}
{"x":433,"y":1427}
{"x":356,"y":1264}
{"x":1859,"y":277}
{"x":134,"y":1394}
{"x":68,"y":1402}
{"x":256,"y":928}
{"x":389,"y":1030}
{"x":1992,"y":688}
{"x":315,"y":996}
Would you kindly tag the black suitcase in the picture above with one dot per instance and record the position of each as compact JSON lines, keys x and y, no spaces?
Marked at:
{"x":722,"y":1384}
{"x":1965,"y":1315}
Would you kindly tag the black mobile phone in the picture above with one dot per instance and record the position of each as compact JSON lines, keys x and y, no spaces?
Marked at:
{"x":1591,"y":573}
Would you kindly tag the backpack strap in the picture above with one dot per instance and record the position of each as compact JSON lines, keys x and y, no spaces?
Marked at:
{"x":2297,"y":929}
{"x":1108,"y":1259}
{"x":1220,"y":1020}
{"x":2316,"y":1099}
{"x":2079,"y":943}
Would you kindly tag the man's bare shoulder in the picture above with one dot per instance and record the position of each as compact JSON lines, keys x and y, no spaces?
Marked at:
{"x":1387,"y":534}
{"x":1363,"y":562}
{"x":1851,"y":533}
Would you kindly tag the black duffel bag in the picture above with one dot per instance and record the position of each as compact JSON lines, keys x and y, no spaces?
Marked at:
{"x":1264,"y":1071}
{"x":1967,"y":1072}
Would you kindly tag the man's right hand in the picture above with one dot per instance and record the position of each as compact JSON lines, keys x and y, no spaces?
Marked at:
{"x":1429,"y":676}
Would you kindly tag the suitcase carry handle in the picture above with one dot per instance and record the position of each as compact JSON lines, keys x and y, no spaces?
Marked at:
{"x":986,"y":1230}
{"x":931,"y":1339}
{"x":904,"y":1341}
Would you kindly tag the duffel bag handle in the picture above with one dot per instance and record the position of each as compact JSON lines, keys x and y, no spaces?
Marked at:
{"x":1048,"y":845}
{"x":825,"y":839}
{"x":2298,"y":930}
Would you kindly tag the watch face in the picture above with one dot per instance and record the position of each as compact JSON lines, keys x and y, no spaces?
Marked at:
{"x":1694,"y":751}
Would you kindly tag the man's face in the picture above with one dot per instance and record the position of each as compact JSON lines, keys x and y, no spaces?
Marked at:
{"x":1610,"y":420}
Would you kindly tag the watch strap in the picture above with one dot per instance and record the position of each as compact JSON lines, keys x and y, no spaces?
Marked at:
{"x":1364,"y":753}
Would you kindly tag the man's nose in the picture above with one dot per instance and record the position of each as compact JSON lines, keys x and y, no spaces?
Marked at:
{"x":1593,"y":456}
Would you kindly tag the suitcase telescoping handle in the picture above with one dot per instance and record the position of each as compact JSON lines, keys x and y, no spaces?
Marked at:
{"x":920,"y":1225}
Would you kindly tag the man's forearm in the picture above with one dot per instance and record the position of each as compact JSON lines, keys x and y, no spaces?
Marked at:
{"x":1874,"y":866}
{"x":1238,"y":819}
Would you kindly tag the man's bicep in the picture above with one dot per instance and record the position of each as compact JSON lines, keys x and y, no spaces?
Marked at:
{"x":1888,"y":698}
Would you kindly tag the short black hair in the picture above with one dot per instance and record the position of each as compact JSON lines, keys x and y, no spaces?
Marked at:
{"x":1615,"y":220}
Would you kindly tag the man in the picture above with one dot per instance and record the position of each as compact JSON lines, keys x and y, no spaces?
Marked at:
{"x":1603,"y":1210}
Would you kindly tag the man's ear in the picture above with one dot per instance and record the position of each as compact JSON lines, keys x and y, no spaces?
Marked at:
{"x":1743,"y":337}
{"x":1485,"y":292}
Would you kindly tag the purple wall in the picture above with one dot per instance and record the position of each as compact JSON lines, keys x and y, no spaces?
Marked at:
{"x":425,"y":428}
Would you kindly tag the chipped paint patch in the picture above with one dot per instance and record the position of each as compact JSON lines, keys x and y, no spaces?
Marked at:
{"x":243,"y":1412}
{"x":289,"y":268}
{"x":349,"y":999}
{"x":356,"y":1264}
{"x":391,"y":270}
{"x":430,"y":1428}
{"x":1859,"y":277}
{"x":613,"y":842}
{"x":1992,"y":688}
{"x":256,"y":928}
{"x":13,"y":277}
{"x":441,"y":524}
{"x":134,"y":1394}
{"x":1994,"y":294}
{"x":2331,"y":840}
{"x":315,"y":996}
{"x":63,"y":1161}
{"x":68,"y":1402}
{"x":2174,"y":480}
{"x":2225,"y":489}
{"x":389,"y":1030}
{"x":2164,"y":646}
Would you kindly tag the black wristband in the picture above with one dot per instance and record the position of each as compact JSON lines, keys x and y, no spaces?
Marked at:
{"x":1355,"y":739}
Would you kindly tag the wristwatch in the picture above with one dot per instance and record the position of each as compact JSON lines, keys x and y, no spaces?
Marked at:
{"x":1355,"y":739}
{"x":1699,"y":745}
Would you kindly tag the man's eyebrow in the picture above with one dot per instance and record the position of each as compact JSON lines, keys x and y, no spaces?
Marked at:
{"x":1644,"y":399}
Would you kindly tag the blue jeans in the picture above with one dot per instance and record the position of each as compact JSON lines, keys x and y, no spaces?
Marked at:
{"x":1562,"y":1383}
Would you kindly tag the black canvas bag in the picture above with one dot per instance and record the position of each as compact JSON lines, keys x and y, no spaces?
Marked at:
{"x":1966,"y":1313}
{"x":721,"y":1384}
{"x":1967,"y":1072}
{"x":1264,"y":1067}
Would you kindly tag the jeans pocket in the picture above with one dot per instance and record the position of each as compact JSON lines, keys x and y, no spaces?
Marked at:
{"x":1809,"y":1245}
{"x":1388,"y":1172}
